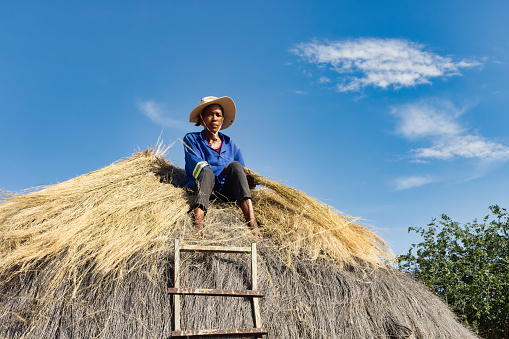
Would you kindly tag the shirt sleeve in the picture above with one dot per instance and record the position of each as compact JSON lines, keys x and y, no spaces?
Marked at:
{"x":193,"y":157}
{"x":239,"y":157}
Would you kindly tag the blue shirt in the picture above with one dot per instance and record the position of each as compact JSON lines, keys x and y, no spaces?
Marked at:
{"x":199,"y":155}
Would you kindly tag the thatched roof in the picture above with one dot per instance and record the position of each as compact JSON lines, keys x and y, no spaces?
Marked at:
{"x":93,"y":256}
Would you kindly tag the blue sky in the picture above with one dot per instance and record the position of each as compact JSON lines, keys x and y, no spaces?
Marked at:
{"x":395,"y":112}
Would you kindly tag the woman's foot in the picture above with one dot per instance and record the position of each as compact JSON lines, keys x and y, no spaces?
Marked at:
{"x":254,"y":228}
{"x":199,"y":214}
{"x":257,"y":232}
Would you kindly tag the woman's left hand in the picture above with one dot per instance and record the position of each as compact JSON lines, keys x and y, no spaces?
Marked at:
{"x":250,"y":178}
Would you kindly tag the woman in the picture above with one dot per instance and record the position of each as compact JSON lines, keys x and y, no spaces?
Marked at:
{"x":214,"y":163}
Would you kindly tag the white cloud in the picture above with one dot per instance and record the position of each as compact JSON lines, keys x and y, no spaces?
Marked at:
{"x":324,"y":80}
{"x":437,"y":122}
{"x":380,"y":63}
{"x":404,"y":183}
{"x":468,"y":146}
{"x":428,"y":118}
{"x":156,"y":112}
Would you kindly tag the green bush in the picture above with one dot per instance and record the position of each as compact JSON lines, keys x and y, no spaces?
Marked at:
{"x":468,"y":267}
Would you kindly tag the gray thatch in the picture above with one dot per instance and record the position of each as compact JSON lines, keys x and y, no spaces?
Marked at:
{"x":93,"y":257}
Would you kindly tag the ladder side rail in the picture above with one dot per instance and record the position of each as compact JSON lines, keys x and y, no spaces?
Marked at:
{"x":254,"y":277}
{"x":176,"y":297}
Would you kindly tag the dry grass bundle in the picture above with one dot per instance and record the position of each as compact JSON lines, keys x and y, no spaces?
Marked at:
{"x":104,"y":216}
{"x":92,"y":256}
{"x":304,"y":225}
{"x":109,"y":214}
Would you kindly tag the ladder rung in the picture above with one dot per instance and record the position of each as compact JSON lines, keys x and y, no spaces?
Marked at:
{"x":206,"y":291}
{"x":190,"y":333}
{"x":218,"y":249}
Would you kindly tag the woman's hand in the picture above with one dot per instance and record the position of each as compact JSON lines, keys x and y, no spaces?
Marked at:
{"x":250,"y":178}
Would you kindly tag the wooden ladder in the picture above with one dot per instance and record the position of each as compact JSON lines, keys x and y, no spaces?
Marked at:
{"x":177,"y":291}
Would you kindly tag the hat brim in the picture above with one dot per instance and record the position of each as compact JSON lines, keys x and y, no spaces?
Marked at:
{"x":228,"y":108}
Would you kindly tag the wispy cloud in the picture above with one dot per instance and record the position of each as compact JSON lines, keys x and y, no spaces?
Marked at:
{"x":428,"y":118}
{"x":324,"y":80}
{"x":157,"y":113}
{"x":404,"y":183}
{"x":466,"y":146}
{"x":379,"y":63}
{"x":437,"y":122}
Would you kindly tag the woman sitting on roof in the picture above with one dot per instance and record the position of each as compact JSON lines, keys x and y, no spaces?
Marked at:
{"x":214,"y":163}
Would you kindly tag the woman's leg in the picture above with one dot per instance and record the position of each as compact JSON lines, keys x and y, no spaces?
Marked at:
{"x":246,"y":206}
{"x":203,"y":187}
{"x":236,"y":188}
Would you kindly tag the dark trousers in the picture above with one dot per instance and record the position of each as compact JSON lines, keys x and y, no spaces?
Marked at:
{"x":235,"y":188}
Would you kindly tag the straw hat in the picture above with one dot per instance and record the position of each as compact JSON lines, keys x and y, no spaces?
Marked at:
{"x":228,"y":108}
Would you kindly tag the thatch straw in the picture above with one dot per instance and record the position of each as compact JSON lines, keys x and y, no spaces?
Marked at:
{"x":124,"y":206}
{"x":92,"y":257}
{"x":300,"y":224}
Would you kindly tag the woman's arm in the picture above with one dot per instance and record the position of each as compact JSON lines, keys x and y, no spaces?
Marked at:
{"x":193,"y":157}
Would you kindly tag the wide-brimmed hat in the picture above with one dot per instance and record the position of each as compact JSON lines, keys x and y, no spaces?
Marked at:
{"x":225,"y":102}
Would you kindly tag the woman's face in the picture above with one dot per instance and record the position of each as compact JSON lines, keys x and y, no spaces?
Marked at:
{"x":212,"y":117}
